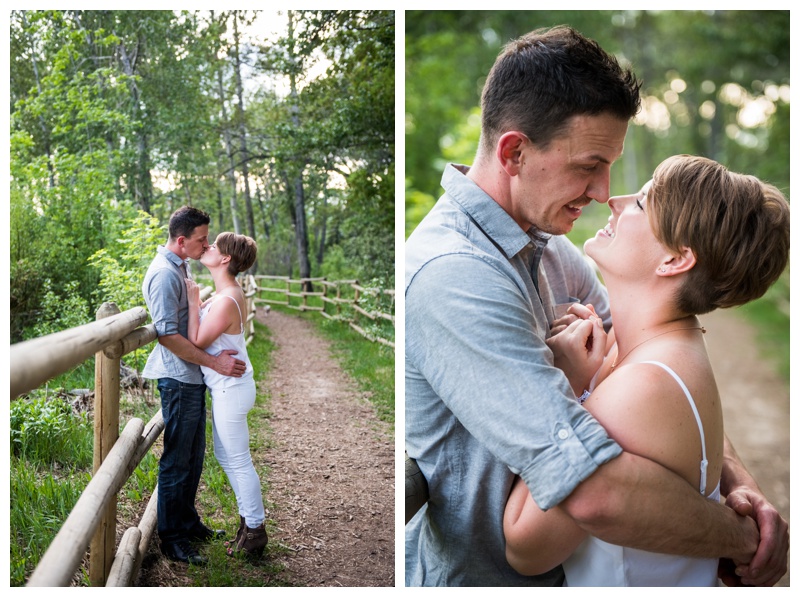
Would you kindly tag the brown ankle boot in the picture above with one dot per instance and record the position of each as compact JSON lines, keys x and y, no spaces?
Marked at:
{"x":231,"y":545}
{"x":253,"y":541}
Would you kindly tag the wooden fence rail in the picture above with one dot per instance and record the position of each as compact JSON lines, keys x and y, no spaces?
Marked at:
{"x":92,"y":521}
{"x":331,"y":294}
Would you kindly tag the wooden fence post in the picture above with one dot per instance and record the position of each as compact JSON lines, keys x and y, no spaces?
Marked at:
{"x":106,"y":433}
{"x":355,"y":286}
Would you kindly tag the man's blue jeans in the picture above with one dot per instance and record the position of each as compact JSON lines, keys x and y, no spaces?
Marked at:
{"x":183,"y":406}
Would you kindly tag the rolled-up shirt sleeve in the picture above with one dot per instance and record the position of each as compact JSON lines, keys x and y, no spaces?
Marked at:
{"x":164,"y":293}
{"x":477,"y":343}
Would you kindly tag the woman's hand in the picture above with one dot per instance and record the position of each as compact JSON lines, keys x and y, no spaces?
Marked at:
{"x":192,"y":292}
{"x":579,"y":350}
{"x":575,"y":313}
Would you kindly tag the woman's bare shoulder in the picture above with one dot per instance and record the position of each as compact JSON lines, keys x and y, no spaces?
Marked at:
{"x":647,"y":413}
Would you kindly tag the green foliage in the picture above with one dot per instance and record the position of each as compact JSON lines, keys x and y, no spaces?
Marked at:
{"x":122,"y":265}
{"x":115,"y":112}
{"x":336,"y":266}
{"x":368,"y":230}
{"x":59,"y":312}
{"x":47,"y":432}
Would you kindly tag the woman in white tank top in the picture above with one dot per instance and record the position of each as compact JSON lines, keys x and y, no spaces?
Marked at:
{"x":695,"y":238}
{"x":216,"y":325}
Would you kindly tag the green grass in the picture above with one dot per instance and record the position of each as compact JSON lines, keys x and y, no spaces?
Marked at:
{"x":51,"y":465}
{"x":41,"y":500}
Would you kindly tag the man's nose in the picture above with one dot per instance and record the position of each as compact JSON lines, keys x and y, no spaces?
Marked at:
{"x":600,"y":185}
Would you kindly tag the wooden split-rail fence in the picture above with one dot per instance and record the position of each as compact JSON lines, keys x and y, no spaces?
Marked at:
{"x":342,"y":300}
{"x":92,"y":521}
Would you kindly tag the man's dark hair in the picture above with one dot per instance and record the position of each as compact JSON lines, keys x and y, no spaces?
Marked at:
{"x":185,"y":219}
{"x":543,"y":79}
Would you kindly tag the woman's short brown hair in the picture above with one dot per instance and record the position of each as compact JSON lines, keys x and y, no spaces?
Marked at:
{"x":241,"y":249}
{"x":736,"y":225}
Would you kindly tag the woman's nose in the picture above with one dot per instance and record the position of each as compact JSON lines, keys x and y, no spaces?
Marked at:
{"x":618,"y":203}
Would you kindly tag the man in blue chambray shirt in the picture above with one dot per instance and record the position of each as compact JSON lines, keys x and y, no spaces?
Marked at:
{"x":486,"y":275}
{"x":175,"y":363}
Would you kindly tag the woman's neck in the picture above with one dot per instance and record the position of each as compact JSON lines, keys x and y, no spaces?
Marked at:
{"x":222,"y":279}
{"x":636,"y":319}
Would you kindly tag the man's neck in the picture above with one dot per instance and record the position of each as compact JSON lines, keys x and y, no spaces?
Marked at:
{"x":493,"y":181}
{"x":175,"y":248}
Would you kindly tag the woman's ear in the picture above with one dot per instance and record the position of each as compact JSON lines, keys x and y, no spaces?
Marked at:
{"x":677,"y":264}
{"x":509,"y":151}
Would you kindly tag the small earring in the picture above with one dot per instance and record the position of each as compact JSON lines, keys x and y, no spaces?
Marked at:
{"x":662,"y":269}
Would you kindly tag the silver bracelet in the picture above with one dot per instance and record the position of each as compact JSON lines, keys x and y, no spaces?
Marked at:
{"x":582,"y":398}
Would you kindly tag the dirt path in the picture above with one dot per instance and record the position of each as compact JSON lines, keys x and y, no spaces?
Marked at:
{"x":332,"y":466}
{"x":755,"y":404}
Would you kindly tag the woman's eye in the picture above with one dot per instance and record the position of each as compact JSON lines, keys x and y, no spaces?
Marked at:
{"x":639,"y":205}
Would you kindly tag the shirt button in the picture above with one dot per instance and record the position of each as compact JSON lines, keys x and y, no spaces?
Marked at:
{"x":563,"y":434}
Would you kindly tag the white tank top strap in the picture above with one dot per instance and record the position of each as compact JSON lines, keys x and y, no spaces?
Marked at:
{"x":704,"y":461}
{"x":241,"y":322}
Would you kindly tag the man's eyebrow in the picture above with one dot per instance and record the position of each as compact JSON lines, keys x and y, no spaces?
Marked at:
{"x":594,"y":158}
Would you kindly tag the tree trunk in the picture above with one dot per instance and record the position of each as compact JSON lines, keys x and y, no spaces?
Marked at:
{"x":142,"y":179}
{"x":229,"y":149}
{"x":261,"y":209}
{"x":301,"y":232}
{"x":251,"y":227}
{"x":323,"y":230}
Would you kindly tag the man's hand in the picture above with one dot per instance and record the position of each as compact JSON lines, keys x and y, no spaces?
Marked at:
{"x":770,"y":561}
{"x":225,"y":364}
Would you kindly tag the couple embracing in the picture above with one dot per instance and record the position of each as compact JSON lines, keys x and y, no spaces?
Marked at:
{"x":202,"y":345}
{"x":571,"y":432}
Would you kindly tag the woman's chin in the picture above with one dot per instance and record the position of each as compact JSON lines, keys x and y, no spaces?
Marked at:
{"x":589,"y":246}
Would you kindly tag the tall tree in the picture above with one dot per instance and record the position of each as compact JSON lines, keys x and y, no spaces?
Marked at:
{"x":240,"y":117}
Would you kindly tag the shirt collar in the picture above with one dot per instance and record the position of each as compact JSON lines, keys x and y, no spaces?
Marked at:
{"x":488,"y":214}
{"x":170,"y":256}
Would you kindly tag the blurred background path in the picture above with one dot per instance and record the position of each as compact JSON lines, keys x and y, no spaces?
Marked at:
{"x":755,"y":404}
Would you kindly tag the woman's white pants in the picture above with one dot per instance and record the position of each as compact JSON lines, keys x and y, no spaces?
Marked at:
{"x":232,"y":447}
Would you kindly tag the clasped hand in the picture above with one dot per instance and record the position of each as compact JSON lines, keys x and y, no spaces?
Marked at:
{"x":192,"y":292}
{"x":578,"y":342}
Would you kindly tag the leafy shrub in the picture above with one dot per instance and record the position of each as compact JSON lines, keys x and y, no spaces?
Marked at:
{"x":122,"y":266}
{"x":47,"y":431}
{"x":59,"y":311}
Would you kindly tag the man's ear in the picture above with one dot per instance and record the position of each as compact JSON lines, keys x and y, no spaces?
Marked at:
{"x":509,"y":151}
{"x":677,"y":264}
